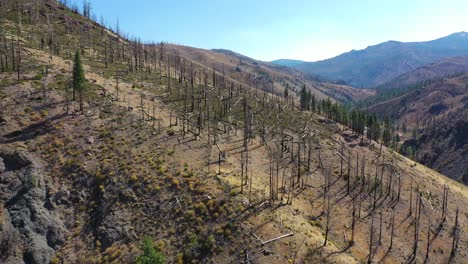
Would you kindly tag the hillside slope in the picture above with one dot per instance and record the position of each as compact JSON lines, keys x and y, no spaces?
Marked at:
{"x":267,"y":76}
{"x":444,"y":68}
{"x":381,"y":63}
{"x":210,"y":169}
{"x":438,"y":112}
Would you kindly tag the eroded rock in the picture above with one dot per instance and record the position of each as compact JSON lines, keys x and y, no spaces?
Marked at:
{"x":31,"y":232}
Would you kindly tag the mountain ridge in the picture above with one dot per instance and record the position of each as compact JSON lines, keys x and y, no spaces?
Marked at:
{"x":165,"y":154}
{"x":382,"y":62}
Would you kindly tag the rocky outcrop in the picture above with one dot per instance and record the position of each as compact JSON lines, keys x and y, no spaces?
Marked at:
{"x":30,"y":232}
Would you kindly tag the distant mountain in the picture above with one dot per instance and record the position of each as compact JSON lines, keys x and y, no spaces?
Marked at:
{"x":381,"y":63}
{"x":443,"y":68}
{"x":287,"y":63}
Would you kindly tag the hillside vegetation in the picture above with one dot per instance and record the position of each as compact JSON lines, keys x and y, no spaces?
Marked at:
{"x":172,"y":159}
{"x":434,"y":118}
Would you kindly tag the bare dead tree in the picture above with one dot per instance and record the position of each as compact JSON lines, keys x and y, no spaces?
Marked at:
{"x":456,"y":237}
{"x":357,"y":166}
{"x":348,"y":179}
{"x":363,"y":173}
{"x":327,"y":224}
{"x":18,"y":33}
{"x":353,"y":220}
{"x":411,"y":199}
{"x":380,"y":227}
{"x":371,"y":238}
{"x":428,"y":246}
{"x":416,"y":231}
{"x":342,"y":158}
{"x":392,"y":233}
{"x":444,"y":204}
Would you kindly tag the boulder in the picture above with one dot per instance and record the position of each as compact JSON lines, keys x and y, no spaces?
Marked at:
{"x":90,"y":140}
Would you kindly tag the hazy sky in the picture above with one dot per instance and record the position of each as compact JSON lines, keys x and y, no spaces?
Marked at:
{"x":295,"y":29}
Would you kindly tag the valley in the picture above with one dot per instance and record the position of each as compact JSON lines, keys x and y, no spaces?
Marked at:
{"x":174,"y":154}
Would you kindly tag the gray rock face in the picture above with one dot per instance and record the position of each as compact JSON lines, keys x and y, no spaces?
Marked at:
{"x":39,"y":251}
{"x":31,"y":232}
{"x":2,"y":165}
{"x":114,"y":230}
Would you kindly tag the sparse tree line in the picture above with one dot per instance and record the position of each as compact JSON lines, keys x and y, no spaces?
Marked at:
{"x":208,"y":105}
{"x":366,"y":125}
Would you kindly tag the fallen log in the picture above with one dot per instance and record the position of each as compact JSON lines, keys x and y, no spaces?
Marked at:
{"x":271,"y":240}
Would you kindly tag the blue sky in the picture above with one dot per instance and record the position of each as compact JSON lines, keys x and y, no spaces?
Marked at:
{"x":296,"y":29}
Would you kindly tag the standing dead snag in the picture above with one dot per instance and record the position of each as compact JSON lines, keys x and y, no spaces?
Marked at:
{"x":353,"y":220}
{"x":154,"y":112}
{"x":18,"y":33}
{"x":363,"y":173}
{"x":392,"y":232}
{"x":242,"y":173}
{"x":348,"y":179}
{"x":417,"y":207}
{"x":327,"y":225}
{"x":298,"y":163}
{"x":428,"y":246}
{"x":444,"y":204}
{"x":309,"y":153}
{"x":411,"y":199}
{"x":381,"y":177}
{"x":416,"y":230}
{"x":399,"y":190}
{"x":456,"y":237}
{"x":380,"y":227}
{"x":342,"y":158}
{"x":357,"y":167}
{"x":142,"y":106}
{"x":371,"y":238}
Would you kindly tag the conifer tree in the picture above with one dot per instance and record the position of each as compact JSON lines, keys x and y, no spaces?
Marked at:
{"x":303,"y":98}
{"x":313,"y":103}
{"x":78,"y":79}
{"x":151,"y":254}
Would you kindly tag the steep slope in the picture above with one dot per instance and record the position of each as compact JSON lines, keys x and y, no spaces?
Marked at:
{"x":287,"y":62}
{"x":378,"y":64}
{"x":444,"y":68}
{"x":444,"y":146}
{"x":267,"y":76}
{"x":438,"y":112}
{"x":209,"y":173}
{"x":418,"y":78}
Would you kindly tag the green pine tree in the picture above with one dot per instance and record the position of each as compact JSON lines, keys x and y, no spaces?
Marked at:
{"x":78,"y":79}
{"x":303,"y":98}
{"x":150,"y":254}
{"x":313,"y":103}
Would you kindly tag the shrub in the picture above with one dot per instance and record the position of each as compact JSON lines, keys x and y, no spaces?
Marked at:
{"x":39,"y":76}
{"x":150,"y":254}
